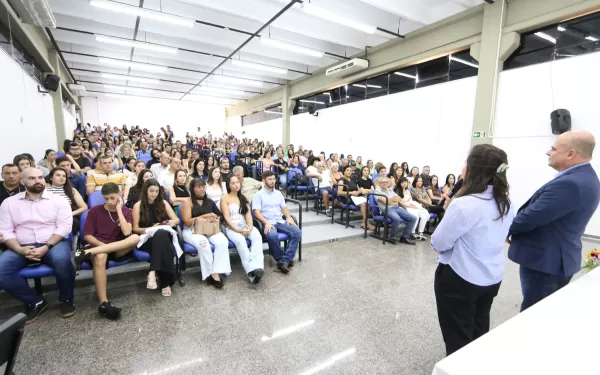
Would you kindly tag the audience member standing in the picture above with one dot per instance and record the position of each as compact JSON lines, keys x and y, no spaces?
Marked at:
{"x":546,"y":233}
{"x":470,"y":241}
{"x":35,"y":225}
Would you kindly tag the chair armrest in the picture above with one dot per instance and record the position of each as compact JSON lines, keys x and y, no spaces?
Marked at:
{"x":296,"y":202}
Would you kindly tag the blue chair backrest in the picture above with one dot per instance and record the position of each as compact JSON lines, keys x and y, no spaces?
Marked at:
{"x":84,"y":216}
{"x":60,"y":154}
{"x":292,"y":174}
{"x":180,"y":218}
{"x":167,"y":197}
{"x":374,"y":206}
{"x":95,"y":199}
{"x":232,"y":157}
{"x":145,"y":158}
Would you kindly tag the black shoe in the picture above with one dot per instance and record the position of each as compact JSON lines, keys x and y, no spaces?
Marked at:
{"x":109,"y":311}
{"x":67,"y":309}
{"x":216,"y":283}
{"x":406,"y":241}
{"x":291,"y":265}
{"x":283,"y":268}
{"x":257,"y":274}
{"x":79,"y":257}
{"x":414,"y":237}
{"x":393,"y":240}
{"x":34,"y":311}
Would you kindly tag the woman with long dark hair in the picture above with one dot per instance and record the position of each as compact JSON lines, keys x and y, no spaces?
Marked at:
{"x":60,"y":185}
{"x":392,"y":169}
{"x":135,"y":192}
{"x":235,"y":208}
{"x":450,"y":182}
{"x":404,"y":167}
{"x":49,"y":160}
{"x":178,"y":193}
{"x":199,"y":170}
{"x":215,"y":265}
{"x":470,"y":240}
{"x":153,"y":210}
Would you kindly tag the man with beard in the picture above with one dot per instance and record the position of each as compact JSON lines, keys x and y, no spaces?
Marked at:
{"x":269,"y":207}
{"x":35,"y":225}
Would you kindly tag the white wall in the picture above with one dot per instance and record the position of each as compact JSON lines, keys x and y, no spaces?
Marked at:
{"x":427,"y":126}
{"x":183,"y":116}
{"x":70,"y":123}
{"x":526,"y":97}
{"x":27,"y":116}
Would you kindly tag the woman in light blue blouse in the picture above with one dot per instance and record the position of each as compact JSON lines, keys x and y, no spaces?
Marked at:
{"x":470,"y":240}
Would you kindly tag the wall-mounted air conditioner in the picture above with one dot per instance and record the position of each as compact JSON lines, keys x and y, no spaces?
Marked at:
{"x":36,"y":12}
{"x":347,"y":68}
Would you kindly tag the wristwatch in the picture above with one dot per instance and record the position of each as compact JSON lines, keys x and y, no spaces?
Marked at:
{"x":50,"y":246}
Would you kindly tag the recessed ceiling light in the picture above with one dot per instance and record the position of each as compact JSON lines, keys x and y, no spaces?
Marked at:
{"x":137,"y":89}
{"x":591,"y":38}
{"x":334,"y":17}
{"x":255,"y":66}
{"x":546,"y":37}
{"x":131,"y":64}
{"x":365,"y":86}
{"x":135,"y":44}
{"x":405,"y":75}
{"x":130,"y":78}
{"x":237,"y":81}
{"x":560,"y":28}
{"x":290,"y":47}
{"x":209,"y":89}
{"x":142,"y":12}
{"x":311,"y":101}
{"x":452,"y":58}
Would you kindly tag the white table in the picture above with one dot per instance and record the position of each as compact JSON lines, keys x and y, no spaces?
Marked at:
{"x":559,"y":335}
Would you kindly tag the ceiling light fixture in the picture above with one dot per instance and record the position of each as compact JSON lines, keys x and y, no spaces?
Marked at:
{"x":135,"y":44}
{"x":143,"y":13}
{"x":365,"y":86}
{"x":137,"y":89}
{"x":130,"y":78}
{"x":237,"y":81}
{"x":219,"y":90}
{"x":560,"y":28}
{"x":209,"y":99}
{"x":591,"y":38}
{"x":131,"y":64}
{"x":311,"y":101}
{"x":405,"y":75}
{"x":290,"y":47}
{"x":546,"y":37}
{"x":333,"y":17}
{"x":452,"y":58}
{"x":255,"y":66}
{"x":279,"y":113}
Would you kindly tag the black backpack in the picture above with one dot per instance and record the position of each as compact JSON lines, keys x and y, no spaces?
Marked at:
{"x":301,"y":180}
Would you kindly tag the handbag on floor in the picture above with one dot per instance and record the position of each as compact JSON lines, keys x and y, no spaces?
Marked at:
{"x":206,"y":228}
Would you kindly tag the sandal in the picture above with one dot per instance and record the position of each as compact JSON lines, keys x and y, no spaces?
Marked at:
{"x":151,"y":284}
{"x":369,"y":226}
{"x":166,"y":292}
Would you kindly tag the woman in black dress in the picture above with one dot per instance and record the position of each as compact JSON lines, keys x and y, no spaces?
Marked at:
{"x":349,"y":188}
{"x":135,"y":192}
{"x":151,"y":211}
{"x":178,"y":193}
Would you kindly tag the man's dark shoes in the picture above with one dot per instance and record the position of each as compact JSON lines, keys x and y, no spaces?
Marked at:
{"x":79,"y":257}
{"x":67,"y":309}
{"x":291,"y":265}
{"x":283,"y":268}
{"x":34,"y":311}
{"x":393,"y":240}
{"x":109,"y":311}
{"x":406,"y":241}
{"x":257,"y":274}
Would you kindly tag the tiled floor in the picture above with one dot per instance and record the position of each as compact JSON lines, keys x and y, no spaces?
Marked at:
{"x":352,"y":307}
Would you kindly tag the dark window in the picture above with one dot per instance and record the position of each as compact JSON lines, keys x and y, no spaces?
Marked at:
{"x":18,"y":52}
{"x":261,"y":116}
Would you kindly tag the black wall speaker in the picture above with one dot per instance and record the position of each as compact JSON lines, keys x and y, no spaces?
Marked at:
{"x":561,"y":121}
{"x":51,"y":82}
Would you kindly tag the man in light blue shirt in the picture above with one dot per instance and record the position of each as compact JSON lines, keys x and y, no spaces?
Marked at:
{"x":269,"y":207}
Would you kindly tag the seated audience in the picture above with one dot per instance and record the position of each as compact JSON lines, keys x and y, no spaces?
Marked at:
{"x":250,"y":186}
{"x":126,"y":152}
{"x":11,"y":184}
{"x":215,"y":266}
{"x":49,"y":160}
{"x":372,"y":170}
{"x":396,"y":176}
{"x":335,"y":173}
{"x":178,"y":193}
{"x":396,"y":211}
{"x":108,"y":234}
{"x":348,"y":187}
{"x":426,"y":176}
{"x":134,"y":194}
{"x":251,"y":158}
{"x":296,"y":163}
{"x":267,"y":161}
{"x":199,"y":169}
{"x":35,"y":225}
{"x":433,"y":190}
{"x":22,"y":162}
{"x":321,"y":179}
{"x":143,"y":152}
{"x":132,"y":177}
{"x":215,"y":186}
{"x":60,"y":185}
{"x":239,"y":227}
{"x":128,"y":168}
{"x":225,"y":172}
{"x":77,"y":180}
{"x":414,"y":172}
{"x":381,"y":171}
{"x":392,"y":169}
{"x":102,"y":174}
{"x":87,"y":150}
{"x":168,"y":177}
{"x":419,"y":193}
{"x":159,"y":169}
{"x":359,"y":163}
{"x":405,"y":168}
{"x":449,"y":185}
{"x":45,"y":171}
{"x":269,"y":208}
{"x":155,"y":158}
{"x":282,"y":171}
{"x":210,"y":163}
{"x":152,"y":216}
{"x":414,"y":208}
{"x":80,"y":163}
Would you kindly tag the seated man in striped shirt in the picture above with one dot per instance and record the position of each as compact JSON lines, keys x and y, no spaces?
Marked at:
{"x":103,"y":174}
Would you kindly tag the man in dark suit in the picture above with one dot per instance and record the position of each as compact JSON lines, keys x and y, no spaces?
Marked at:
{"x":545,"y":237}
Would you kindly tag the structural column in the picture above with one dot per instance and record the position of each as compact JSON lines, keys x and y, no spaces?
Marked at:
{"x":491,"y":53}
{"x":287,"y":107}
{"x":57,"y":99}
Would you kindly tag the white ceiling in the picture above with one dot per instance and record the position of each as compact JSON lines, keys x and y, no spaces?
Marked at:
{"x":220,"y":27}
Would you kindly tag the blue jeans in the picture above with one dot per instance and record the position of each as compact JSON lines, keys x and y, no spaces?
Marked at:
{"x":397,"y":214}
{"x":283,"y":180}
{"x":59,"y":258}
{"x":537,"y":285}
{"x":295,"y":235}
{"x":254,"y":171}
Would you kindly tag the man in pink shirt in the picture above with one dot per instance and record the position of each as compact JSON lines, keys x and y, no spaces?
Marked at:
{"x":35,"y":225}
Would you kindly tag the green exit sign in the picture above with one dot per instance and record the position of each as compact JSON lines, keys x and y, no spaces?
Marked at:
{"x":478,"y":134}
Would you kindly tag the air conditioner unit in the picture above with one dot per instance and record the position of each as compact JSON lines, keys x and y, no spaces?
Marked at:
{"x":78,"y":90}
{"x":36,"y":12}
{"x":347,"y":68}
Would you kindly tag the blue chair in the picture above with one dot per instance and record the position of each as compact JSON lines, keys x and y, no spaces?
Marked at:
{"x":293,"y":186}
{"x":346,"y":206}
{"x":86,"y":265}
{"x":188,"y":248}
{"x":60,"y":155}
{"x":233,"y":157}
{"x":145,"y":158}
{"x":95,"y":199}
{"x":381,"y":219}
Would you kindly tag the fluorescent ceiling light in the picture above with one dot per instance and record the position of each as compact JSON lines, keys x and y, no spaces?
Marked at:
{"x":130,"y":78}
{"x":137,"y":89}
{"x":279,"y":113}
{"x":237,"y":81}
{"x":255,"y":66}
{"x":121,"y":96}
{"x":365,"y":86}
{"x":463,"y":61}
{"x":208,"y":99}
{"x":143,"y":13}
{"x":326,"y":93}
{"x":131,"y":64}
{"x":560,"y":28}
{"x":333,"y":17}
{"x":290,"y":47}
{"x":591,"y":38}
{"x":546,"y":37}
{"x":329,"y":362}
{"x":218,"y":90}
{"x":135,"y":44}
{"x":311,"y":101}
{"x":405,"y":75}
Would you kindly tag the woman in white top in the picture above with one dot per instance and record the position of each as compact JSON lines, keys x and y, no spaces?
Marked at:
{"x":414,"y":172}
{"x":132,"y":176}
{"x":414,"y":208}
{"x":321,"y":177}
{"x":60,"y":185}
{"x":236,"y":213}
{"x":214,"y":186}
